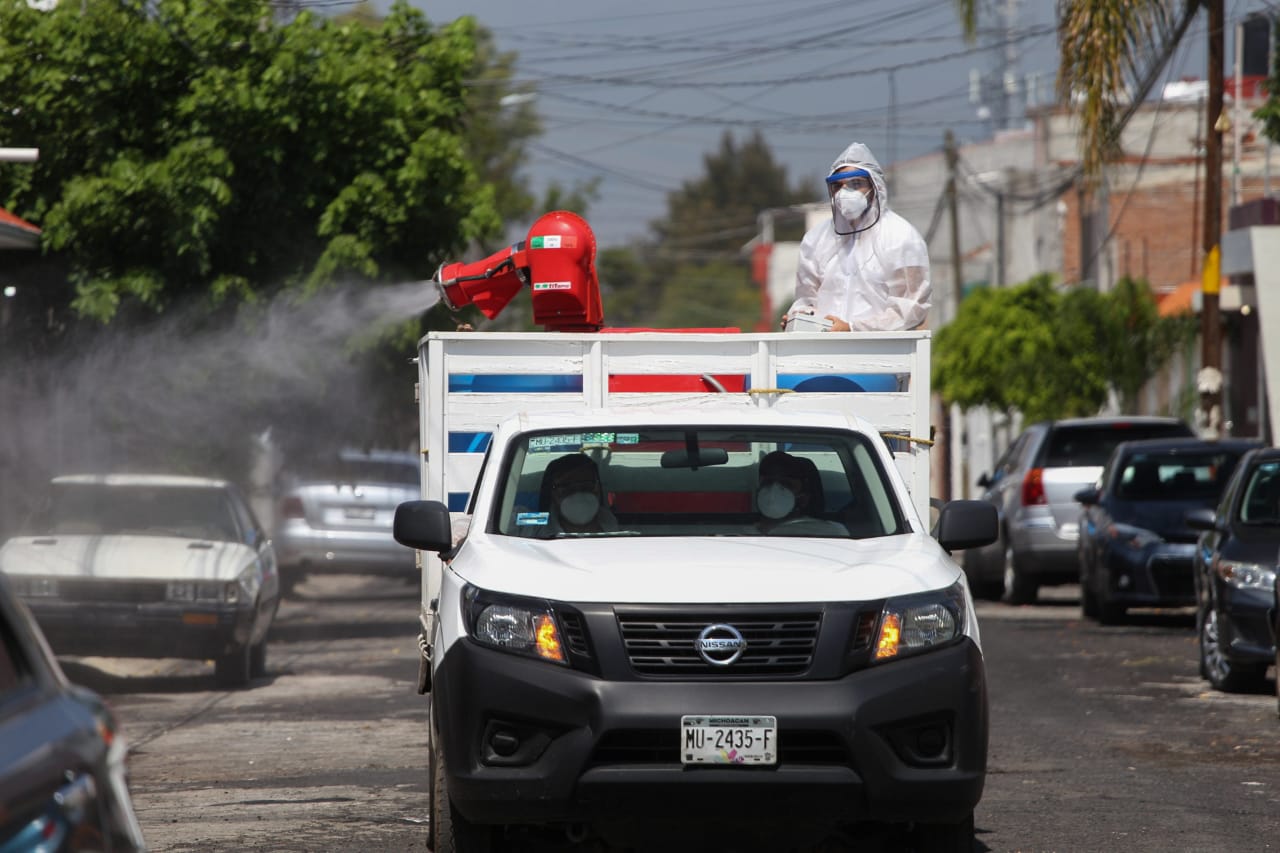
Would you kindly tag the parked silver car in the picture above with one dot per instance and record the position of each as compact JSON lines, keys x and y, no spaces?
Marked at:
{"x":336,"y":518}
{"x":142,"y":565}
{"x":1033,"y":488}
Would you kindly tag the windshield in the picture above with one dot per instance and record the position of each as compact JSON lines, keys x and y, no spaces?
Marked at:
{"x":1072,"y":446}
{"x":1261,"y":501}
{"x":1175,"y":476}
{"x":696,"y":481}
{"x":99,"y":509}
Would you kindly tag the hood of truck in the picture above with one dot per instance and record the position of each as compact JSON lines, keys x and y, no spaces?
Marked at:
{"x":125,"y":557}
{"x":693,"y":570}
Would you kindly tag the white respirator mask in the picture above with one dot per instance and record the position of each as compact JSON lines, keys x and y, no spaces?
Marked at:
{"x":851,"y":203}
{"x":580,"y":508}
{"x":775,"y":500}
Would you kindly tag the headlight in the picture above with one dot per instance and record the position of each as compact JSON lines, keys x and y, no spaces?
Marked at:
{"x":1132,"y":537}
{"x":206,"y":592}
{"x":518,"y":625}
{"x":1246,"y":575}
{"x":917,"y":623}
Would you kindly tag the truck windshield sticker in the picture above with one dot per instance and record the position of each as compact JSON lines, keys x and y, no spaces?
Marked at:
{"x":532,"y":519}
{"x":578,"y":441}
{"x":555,"y":443}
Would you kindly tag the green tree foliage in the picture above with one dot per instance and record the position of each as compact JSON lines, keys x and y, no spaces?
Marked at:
{"x":1051,"y":354}
{"x":195,"y":147}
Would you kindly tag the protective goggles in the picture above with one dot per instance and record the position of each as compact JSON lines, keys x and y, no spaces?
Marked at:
{"x":857,"y":179}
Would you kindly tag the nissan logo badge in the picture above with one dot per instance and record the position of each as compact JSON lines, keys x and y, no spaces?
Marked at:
{"x":720,"y":645}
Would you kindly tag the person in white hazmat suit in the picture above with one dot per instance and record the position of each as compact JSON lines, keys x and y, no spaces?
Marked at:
{"x":868,"y":268}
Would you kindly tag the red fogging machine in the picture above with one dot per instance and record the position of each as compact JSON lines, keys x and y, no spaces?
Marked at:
{"x":557,"y":261}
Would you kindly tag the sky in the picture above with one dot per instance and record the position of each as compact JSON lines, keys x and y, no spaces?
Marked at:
{"x":639,"y":93}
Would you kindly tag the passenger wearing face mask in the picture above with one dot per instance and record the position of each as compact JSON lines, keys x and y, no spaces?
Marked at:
{"x":574,"y":498}
{"x":868,"y":268}
{"x":790,"y":493}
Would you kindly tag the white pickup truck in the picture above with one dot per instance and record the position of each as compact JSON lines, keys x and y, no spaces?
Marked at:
{"x":679,"y":593}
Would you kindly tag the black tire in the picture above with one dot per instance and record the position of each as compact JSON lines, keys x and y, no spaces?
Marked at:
{"x":1018,"y":588}
{"x":233,"y":669}
{"x":258,"y":660}
{"x":1089,"y":601}
{"x":451,"y":832}
{"x":289,"y":580}
{"x":943,"y":837}
{"x":1223,"y":673}
{"x":1278,"y":674}
{"x":1111,"y":613}
{"x":431,"y":781}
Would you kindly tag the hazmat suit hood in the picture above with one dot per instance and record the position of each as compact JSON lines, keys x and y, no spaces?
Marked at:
{"x":859,"y":156}
{"x":873,"y":273}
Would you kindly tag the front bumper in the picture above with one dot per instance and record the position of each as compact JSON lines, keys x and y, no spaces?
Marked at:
{"x":600,"y":751}
{"x":1043,"y":549}
{"x":153,"y":630}
{"x":1162,"y":577}
{"x":1245,"y":620}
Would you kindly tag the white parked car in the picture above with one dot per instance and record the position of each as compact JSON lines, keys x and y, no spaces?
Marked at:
{"x":131,"y":565}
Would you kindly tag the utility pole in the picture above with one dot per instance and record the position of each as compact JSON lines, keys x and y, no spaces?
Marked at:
{"x":945,"y":436}
{"x":1209,"y":382}
{"x":957,"y":274}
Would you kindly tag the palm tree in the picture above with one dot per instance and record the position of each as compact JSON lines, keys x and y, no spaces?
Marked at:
{"x":1111,"y":52}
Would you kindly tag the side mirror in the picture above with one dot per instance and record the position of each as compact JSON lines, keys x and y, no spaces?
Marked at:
{"x":1201,"y":519}
{"x":424,"y":525}
{"x":985,"y":480}
{"x":967,"y":524}
{"x":1088,"y":497}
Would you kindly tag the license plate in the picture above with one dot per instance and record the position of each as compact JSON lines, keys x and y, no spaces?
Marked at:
{"x":728,"y":740}
{"x":364,"y":513}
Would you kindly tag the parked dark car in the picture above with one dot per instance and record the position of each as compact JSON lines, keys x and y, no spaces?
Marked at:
{"x":1136,"y":547}
{"x":62,"y":757}
{"x":1235,"y":575}
{"x":1033,"y":488}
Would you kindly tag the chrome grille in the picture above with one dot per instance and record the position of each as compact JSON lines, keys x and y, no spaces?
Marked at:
{"x":776,"y":644}
{"x":90,"y":589}
{"x":1173,"y":577}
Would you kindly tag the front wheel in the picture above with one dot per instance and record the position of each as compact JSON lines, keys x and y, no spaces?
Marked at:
{"x":943,"y":837}
{"x":1088,"y":599}
{"x":450,"y":831}
{"x":1278,"y":674}
{"x":234,"y":669}
{"x":1222,"y":672}
{"x":258,"y":659}
{"x":1018,"y":588}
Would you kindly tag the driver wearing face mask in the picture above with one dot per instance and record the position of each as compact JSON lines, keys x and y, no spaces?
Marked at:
{"x":789,"y":495}
{"x":868,"y":268}
{"x":575,"y":498}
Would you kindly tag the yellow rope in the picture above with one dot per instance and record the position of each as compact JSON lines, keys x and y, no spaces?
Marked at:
{"x":927,"y":442}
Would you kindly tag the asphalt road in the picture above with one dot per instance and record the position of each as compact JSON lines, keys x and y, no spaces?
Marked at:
{"x":1101,"y":738}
